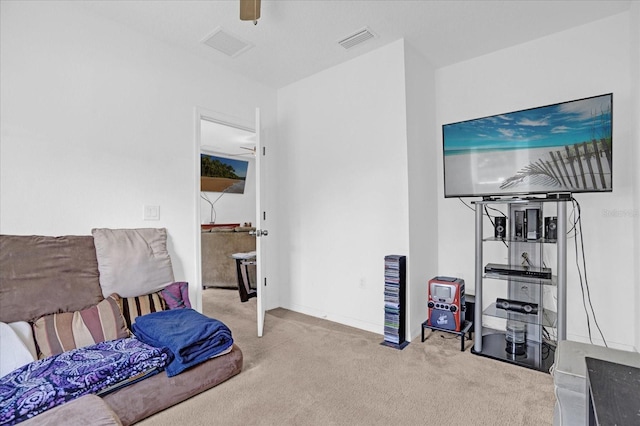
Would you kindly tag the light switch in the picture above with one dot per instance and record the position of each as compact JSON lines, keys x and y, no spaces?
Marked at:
{"x":151,"y":213}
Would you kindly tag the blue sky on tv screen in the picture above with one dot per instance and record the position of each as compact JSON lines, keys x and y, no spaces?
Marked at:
{"x":554,"y":125}
{"x":239,"y":166}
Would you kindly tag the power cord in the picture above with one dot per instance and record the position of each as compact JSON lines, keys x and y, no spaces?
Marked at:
{"x":486,"y":211}
{"x":488,"y":215}
{"x":204,"y":196}
{"x":213,"y":210}
{"x":467,"y":205}
{"x":450,"y":337}
{"x":584,"y":286}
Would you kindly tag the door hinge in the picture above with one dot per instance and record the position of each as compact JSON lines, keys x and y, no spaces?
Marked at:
{"x":265,"y":281}
{"x":264,"y":215}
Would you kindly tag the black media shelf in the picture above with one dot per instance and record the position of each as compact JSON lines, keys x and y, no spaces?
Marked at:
{"x":464,"y":330}
{"x":536,"y":357}
{"x":395,"y":281}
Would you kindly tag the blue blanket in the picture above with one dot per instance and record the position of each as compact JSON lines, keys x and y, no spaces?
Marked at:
{"x":189,"y":335}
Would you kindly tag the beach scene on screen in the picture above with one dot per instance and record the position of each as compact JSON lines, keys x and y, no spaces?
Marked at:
{"x":564,"y":147}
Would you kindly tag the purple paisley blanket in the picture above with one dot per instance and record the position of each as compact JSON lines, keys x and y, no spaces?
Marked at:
{"x":46,"y":383}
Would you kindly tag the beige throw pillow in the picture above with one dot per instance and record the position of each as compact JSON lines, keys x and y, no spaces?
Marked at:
{"x":132,"y":262}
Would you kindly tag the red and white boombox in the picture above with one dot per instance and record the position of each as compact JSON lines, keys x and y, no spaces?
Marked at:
{"x":446,"y":303}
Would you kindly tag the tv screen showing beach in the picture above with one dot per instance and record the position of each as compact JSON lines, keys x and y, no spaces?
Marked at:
{"x":219,"y":174}
{"x":560,"y":148}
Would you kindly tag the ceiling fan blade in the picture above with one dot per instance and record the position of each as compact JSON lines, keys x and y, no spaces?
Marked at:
{"x":250,"y":10}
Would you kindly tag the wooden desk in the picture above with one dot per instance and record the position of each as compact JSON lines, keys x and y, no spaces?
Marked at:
{"x":613,"y":393}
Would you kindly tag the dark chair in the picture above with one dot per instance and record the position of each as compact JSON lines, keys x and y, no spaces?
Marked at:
{"x":243,"y":261}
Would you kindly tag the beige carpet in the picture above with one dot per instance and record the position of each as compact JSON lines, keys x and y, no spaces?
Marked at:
{"x":308,"y":371}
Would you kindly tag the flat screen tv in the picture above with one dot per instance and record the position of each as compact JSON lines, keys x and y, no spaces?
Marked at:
{"x":553,"y":149}
{"x":220,"y":174}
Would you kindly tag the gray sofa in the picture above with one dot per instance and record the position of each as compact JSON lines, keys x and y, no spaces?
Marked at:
{"x":569,"y":378}
{"x":41,"y":275}
{"x":218,"y":244}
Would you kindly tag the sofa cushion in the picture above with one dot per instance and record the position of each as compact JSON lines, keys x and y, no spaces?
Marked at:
{"x":156,"y":393}
{"x":133,"y":307}
{"x":176,"y":295}
{"x":42,"y":275}
{"x":86,"y":410}
{"x":59,"y":333}
{"x":132,"y":262}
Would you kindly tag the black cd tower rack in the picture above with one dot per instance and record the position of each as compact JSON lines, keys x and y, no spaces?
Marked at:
{"x":395,"y":280}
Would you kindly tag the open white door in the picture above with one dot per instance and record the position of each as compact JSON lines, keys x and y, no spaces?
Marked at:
{"x":261,"y":233}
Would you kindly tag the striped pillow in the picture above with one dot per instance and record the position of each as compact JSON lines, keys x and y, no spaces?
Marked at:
{"x":133,"y":307}
{"x":59,"y":333}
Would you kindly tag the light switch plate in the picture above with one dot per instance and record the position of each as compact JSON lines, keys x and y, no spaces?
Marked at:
{"x":151,"y":213}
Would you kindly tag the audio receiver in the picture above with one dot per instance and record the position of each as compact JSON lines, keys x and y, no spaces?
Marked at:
{"x":518,"y":270}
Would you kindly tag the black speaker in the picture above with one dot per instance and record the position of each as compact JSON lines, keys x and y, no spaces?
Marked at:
{"x":470,"y":307}
{"x":534,"y":224}
{"x":500,"y":227}
{"x":551,"y":228}
{"x":517,"y":306}
{"x":519,"y":224}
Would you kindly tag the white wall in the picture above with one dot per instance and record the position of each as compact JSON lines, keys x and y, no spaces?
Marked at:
{"x":232,"y":208}
{"x":98,"y":120}
{"x":589,"y":60}
{"x":422,"y":159}
{"x":634,"y":24}
{"x":343,"y":190}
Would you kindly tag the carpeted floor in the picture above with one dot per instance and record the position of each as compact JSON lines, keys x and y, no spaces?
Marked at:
{"x":309,"y":371}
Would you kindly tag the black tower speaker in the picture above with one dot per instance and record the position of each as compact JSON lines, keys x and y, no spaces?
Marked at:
{"x":534,"y":224}
{"x":551,"y":228}
{"x":519,"y":224}
{"x":500,"y":227}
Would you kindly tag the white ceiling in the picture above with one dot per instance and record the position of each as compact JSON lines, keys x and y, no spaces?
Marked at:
{"x":298,"y":38}
{"x":216,"y":138}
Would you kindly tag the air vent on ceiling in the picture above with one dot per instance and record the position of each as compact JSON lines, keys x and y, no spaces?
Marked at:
{"x":226,"y":43}
{"x":356,"y":38}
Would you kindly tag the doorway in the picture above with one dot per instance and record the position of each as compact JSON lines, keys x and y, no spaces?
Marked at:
{"x":227,"y":198}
